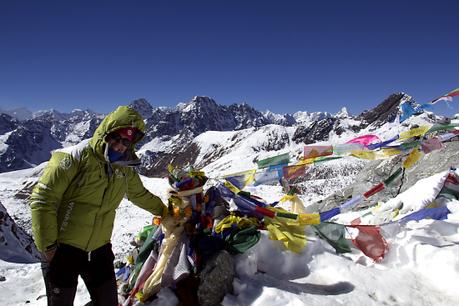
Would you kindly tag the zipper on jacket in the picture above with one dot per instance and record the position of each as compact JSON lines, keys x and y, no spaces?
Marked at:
{"x":95,"y":220}
{"x":89,"y":256}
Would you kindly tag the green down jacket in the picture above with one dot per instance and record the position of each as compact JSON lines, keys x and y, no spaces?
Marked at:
{"x":75,"y":199}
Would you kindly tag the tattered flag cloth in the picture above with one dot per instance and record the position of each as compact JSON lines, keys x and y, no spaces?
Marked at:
{"x":316,"y":151}
{"x":374,"y":146}
{"x":334,"y":234}
{"x":347,"y":148}
{"x":292,"y":236}
{"x":153,"y":283}
{"x":275,"y":160}
{"x":308,"y":219}
{"x":326,"y":215}
{"x":442,"y":127}
{"x":364,"y":154}
{"x":294,"y":203}
{"x":365,"y":140}
{"x":415,"y":132}
{"x":431,"y":144}
{"x":446,"y":97}
{"x":449,"y":136}
{"x":232,"y":221}
{"x":266,"y":176}
{"x":437,"y":213}
{"x":297,"y":212}
{"x":149,"y":243}
{"x":240,"y":240}
{"x":412,"y":158}
{"x":241,"y":179}
{"x":450,"y":189}
{"x":293,"y":172}
{"x":453,"y":93}
{"x":370,"y":241}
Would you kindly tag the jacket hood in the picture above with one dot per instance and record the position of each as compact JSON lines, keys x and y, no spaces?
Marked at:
{"x":122,"y":117}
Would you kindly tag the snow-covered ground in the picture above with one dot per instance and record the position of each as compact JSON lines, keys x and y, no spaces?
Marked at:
{"x":421,"y":267}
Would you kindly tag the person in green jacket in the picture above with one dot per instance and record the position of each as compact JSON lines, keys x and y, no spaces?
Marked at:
{"x":73,"y":208}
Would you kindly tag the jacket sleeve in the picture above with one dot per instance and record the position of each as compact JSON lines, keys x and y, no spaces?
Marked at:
{"x":47,"y":195}
{"x":141,"y":197}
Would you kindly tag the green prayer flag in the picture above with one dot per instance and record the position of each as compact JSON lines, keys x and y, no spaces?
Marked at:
{"x":275,"y":160}
{"x":241,"y":240}
{"x":334,"y":234}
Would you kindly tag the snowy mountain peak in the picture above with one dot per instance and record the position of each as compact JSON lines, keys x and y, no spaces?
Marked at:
{"x":143,"y":107}
{"x":285,"y":119}
{"x":343,"y":113}
{"x":78,"y":115}
{"x":272,"y":116}
{"x":199,"y":102}
{"x":20,"y":113}
{"x":49,"y":114}
{"x":305,"y":118}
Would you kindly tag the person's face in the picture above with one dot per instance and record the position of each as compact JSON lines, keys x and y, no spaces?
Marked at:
{"x":119,"y":144}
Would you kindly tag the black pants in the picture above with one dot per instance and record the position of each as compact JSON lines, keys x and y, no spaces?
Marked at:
{"x":95,"y":268}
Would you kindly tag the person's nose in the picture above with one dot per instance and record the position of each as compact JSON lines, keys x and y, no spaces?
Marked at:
{"x":118,"y":147}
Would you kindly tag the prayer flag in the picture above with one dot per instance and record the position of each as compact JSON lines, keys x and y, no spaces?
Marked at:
{"x":347,"y":148}
{"x":364,"y":154}
{"x":437,"y":213}
{"x":431,"y":144}
{"x":412,"y":159}
{"x":334,"y":234}
{"x":370,"y":241}
{"x":241,"y":179}
{"x":450,"y":188}
{"x":266,"y":177}
{"x":275,"y":160}
{"x":316,"y":151}
{"x":419,"y":131}
{"x":293,"y":172}
{"x":365,"y":140}
{"x":446,"y":97}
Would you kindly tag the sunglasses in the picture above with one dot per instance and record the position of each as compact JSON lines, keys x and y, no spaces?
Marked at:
{"x":118,"y":139}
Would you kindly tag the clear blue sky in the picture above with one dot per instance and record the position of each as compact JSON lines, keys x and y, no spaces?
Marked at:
{"x":279,"y":55}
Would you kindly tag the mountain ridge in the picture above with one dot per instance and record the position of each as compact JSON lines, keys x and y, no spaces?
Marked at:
{"x":170,"y":131}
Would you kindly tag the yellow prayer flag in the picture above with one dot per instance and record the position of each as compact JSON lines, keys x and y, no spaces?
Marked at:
{"x":364,"y":154}
{"x":305,"y":161}
{"x":308,"y":219}
{"x":293,"y":237}
{"x":412,"y":158}
{"x":419,"y":131}
{"x":390,"y":151}
{"x":286,"y":198}
{"x":231,"y":187}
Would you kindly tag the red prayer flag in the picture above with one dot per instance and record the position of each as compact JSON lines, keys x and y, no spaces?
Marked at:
{"x":292,"y":172}
{"x":370,"y":241}
{"x":316,"y":151}
{"x":453,"y":93}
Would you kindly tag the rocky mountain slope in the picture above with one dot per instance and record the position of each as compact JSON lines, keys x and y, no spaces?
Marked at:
{"x":15,"y":244}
